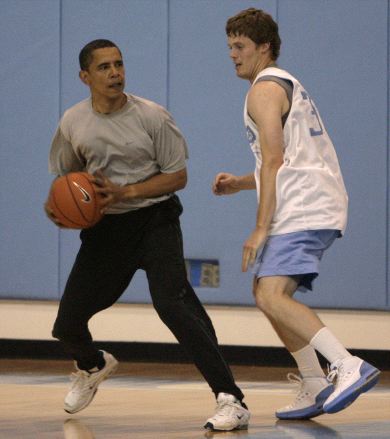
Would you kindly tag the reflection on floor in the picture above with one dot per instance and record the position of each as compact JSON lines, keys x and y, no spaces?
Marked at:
{"x":168,"y":401}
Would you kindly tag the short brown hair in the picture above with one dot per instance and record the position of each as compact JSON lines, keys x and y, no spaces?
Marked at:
{"x":257,"y":25}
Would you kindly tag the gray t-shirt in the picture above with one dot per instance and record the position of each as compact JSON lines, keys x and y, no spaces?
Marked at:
{"x":130,"y":145}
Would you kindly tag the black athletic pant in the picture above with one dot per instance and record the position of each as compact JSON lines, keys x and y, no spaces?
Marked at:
{"x":149,"y":239}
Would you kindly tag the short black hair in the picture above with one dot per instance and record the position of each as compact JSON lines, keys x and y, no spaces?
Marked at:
{"x":85,"y":56}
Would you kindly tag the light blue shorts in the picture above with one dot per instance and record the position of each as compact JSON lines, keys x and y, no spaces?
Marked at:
{"x":295,"y":254}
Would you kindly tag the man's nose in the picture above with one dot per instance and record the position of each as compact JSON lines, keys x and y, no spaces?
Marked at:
{"x":114,"y":71}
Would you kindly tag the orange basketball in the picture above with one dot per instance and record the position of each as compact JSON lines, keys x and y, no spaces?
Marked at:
{"x":74,"y":201}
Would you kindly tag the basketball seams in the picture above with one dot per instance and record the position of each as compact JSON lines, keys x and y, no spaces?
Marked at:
{"x":96,"y":213}
{"x":53,"y":200}
{"x":97,"y":207}
{"x":68,"y":181}
{"x":69,"y":206}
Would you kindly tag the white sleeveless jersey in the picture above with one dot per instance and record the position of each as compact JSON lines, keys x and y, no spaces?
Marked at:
{"x":310,"y":192}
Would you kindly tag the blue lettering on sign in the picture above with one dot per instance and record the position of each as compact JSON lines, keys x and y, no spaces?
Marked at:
{"x":313,"y":132}
{"x":250,"y":134}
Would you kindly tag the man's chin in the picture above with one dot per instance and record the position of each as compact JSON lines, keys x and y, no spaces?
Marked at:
{"x":115,"y":94}
{"x":116,"y":90}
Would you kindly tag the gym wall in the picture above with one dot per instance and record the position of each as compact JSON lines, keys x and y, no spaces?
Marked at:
{"x":176,"y":54}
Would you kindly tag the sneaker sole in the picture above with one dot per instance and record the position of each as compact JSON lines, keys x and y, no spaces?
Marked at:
{"x":110,"y":372}
{"x":209,"y":426}
{"x":369,"y":378}
{"x":308,"y":412}
{"x":297,"y":415}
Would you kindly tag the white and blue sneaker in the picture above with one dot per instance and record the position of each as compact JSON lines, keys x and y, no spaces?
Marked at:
{"x":308,"y":403}
{"x":229,"y":415}
{"x":352,"y":376}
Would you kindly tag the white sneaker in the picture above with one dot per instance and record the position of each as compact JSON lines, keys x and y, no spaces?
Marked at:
{"x":353,"y":376}
{"x":85,"y":385}
{"x":310,"y":399}
{"x":229,"y":414}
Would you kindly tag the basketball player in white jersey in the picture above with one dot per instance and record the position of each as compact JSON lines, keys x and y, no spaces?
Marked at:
{"x":302,"y":209}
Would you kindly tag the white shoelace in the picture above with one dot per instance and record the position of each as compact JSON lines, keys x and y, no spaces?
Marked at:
{"x":295,"y":379}
{"x":339,"y":374}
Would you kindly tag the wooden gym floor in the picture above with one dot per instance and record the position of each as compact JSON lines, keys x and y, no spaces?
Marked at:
{"x":168,"y":401}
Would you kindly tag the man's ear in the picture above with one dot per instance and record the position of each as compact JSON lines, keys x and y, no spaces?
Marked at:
{"x":265,"y":47}
{"x":83,"y":75}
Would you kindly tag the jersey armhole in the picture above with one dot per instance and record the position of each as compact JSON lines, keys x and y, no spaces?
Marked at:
{"x":287,"y":85}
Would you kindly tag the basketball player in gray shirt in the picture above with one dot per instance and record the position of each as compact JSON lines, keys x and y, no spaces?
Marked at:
{"x":137,"y":155}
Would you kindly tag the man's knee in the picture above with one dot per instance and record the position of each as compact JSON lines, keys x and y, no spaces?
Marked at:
{"x":177,"y":304}
{"x":66,"y":331}
{"x":267,"y":297}
{"x":273,"y":292}
{"x":264,"y":299}
{"x":61,"y":330}
{"x":170,"y":307}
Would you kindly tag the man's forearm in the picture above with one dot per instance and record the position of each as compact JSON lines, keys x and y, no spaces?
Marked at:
{"x":247,"y":182}
{"x":157,"y":185}
{"x":267,"y":204}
